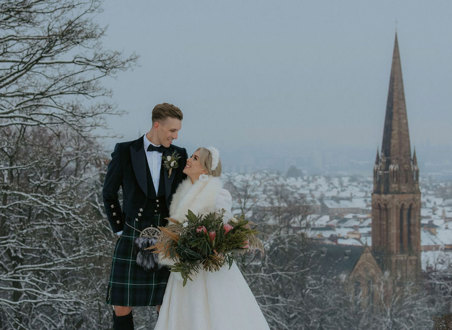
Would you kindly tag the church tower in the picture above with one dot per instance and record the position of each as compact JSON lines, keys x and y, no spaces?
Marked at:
{"x":396,"y":198}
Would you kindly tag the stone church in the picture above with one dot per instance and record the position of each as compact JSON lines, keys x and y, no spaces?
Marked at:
{"x":396,"y":200}
{"x":395,"y":254}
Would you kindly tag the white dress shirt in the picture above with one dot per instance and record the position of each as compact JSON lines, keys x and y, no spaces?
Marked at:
{"x":154,"y":161}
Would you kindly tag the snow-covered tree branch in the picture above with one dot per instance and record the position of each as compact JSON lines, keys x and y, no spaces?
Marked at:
{"x":55,"y":243}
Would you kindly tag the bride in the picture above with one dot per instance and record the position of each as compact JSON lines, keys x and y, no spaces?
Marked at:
{"x":218,"y":300}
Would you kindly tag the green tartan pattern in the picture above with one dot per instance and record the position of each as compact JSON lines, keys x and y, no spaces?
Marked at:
{"x":129,"y":284}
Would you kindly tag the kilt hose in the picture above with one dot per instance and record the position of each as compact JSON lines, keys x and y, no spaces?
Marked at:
{"x":129,"y":284}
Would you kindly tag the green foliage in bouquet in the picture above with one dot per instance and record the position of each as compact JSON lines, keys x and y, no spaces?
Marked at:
{"x":205,"y":242}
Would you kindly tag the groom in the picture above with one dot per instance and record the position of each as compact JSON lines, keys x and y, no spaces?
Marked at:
{"x":148,"y":181}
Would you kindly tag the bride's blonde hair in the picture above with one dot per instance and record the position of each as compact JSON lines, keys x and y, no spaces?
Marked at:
{"x":205,"y":158}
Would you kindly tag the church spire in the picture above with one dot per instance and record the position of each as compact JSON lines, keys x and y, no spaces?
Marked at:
{"x":396,"y":198}
{"x":396,"y":138}
{"x":395,"y":172}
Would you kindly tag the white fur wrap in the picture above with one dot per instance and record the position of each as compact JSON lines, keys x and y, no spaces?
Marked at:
{"x":199,"y":197}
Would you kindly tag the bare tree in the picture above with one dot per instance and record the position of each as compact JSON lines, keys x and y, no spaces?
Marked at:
{"x":54,"y":243}
{"x":277,"y":277}
{"x":286,"y":205}
{"x":51,"y":60}
{"x":439,"y":284}
{"x":245,"y":189}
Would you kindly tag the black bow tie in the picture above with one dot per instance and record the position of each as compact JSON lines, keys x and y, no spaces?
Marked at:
{"x":158,"y":149}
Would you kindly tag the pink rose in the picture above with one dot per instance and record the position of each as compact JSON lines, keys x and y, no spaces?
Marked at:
{"x":212,"y":235}
{"x":227,"y":228}
{"x":247,"y":245}
{"x":201,"y":229}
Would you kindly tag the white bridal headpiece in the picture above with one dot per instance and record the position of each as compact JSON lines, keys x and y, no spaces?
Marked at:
{"x":215,"y":157}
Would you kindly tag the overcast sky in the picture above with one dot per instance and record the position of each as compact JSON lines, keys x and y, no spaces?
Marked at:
{"x":282,"y":75}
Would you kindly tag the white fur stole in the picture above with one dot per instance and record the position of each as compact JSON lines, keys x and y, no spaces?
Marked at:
{"x":199,"y":197}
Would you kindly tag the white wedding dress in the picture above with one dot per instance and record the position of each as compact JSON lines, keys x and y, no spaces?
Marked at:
{"x":218,"y":300}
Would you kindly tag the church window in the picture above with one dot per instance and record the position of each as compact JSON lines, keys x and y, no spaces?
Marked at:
{"x":401,"y":230}
{"x":409,"y":224}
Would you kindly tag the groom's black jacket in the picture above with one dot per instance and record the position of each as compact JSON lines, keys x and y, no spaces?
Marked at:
{"x":128,"y":169}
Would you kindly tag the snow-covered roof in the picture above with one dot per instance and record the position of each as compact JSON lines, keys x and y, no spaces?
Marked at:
{"x":321,"y":221}
{"x":345,"y":203}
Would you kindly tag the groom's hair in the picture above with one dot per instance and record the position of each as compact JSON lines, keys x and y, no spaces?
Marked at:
{"x":165,"y":110}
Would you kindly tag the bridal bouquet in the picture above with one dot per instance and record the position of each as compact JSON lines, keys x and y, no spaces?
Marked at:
{"x":204,"y":242}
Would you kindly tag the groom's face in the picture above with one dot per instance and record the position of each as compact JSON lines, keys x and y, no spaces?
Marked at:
{"x":167,"y":130}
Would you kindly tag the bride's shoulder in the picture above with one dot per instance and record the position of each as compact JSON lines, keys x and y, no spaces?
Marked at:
{"x":224,"y":202}
{"x":224,"y":195}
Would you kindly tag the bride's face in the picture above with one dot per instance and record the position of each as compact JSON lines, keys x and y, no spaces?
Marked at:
{"x":194,"y":168}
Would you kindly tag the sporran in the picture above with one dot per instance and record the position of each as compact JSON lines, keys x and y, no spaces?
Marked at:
{"x":146,"y":258}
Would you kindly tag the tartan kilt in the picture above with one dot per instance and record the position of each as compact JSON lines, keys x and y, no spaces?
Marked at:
{"x":129,"y":284}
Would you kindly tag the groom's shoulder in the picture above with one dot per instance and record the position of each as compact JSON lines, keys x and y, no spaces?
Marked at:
{"x":124,"y":146}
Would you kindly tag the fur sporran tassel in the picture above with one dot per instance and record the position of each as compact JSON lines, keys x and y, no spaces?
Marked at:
{"x":146,"y":257}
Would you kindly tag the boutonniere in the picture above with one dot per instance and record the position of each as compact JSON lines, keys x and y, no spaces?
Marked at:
{"x":171,"y":162}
